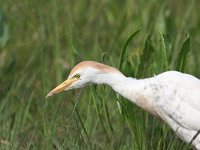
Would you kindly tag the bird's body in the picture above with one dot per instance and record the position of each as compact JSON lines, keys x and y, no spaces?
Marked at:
{"x":172,"y":96}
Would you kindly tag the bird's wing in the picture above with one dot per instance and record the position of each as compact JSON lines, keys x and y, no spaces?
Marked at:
{"x":182,"y":114}
{"x":187,"y":86}
{"x":180,"y":99}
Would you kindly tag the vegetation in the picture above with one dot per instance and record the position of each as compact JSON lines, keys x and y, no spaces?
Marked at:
{"x":40,"y":41}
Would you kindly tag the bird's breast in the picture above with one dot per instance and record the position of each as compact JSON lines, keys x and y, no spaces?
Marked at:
{"x":145,"y":104}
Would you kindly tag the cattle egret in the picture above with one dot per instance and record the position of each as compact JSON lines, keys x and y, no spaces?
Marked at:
{"x":172,"y":96}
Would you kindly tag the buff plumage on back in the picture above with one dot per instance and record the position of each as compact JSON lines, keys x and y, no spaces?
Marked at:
{"x":102,"y":67}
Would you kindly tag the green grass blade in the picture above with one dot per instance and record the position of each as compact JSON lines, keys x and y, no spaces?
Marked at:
{"x":164,"y":62}
{"x":97,"y":98}
{"x":182,"y":57}
{"x":82,"y":124}
{"x":124,"y":52}
{"x":145,"y":59}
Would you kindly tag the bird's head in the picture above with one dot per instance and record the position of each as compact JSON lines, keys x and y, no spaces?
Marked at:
{"x":82,"y":74}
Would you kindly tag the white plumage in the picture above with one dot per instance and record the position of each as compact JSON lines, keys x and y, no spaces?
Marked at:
{"x":172,"y":96}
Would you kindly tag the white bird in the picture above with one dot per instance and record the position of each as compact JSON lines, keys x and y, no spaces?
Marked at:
{"x":172,"y":96}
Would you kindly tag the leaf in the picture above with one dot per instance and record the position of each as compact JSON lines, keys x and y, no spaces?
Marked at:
{"x":145,"y":58}
{"x":164,"y":62}
{"x":123,"y":55}
{"x":182,"y":57}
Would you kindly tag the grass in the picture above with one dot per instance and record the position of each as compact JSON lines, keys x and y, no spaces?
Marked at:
{"x":40,"y":41}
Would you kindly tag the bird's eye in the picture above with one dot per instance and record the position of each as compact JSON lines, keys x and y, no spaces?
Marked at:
{"x":77,"y":76}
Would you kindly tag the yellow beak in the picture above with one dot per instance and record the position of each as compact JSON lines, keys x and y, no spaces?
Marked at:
{"x":61,"y":87}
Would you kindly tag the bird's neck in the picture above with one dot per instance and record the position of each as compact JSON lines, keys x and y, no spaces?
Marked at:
{"x":130,"y":88}
{"x":125,"y":86}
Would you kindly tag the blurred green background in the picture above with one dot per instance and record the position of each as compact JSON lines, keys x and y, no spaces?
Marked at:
{"x":40,"y":41}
